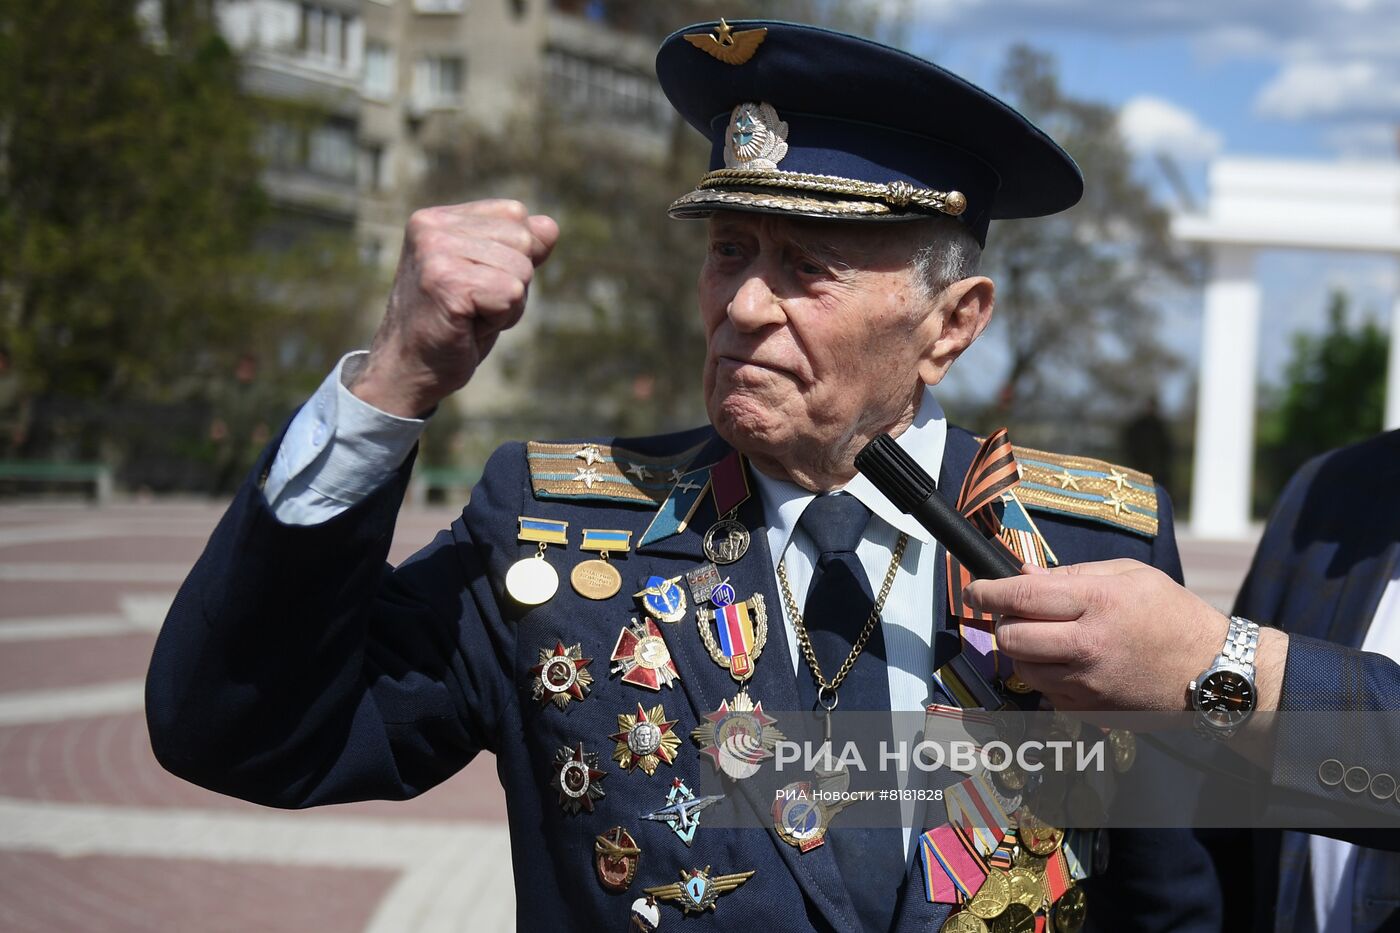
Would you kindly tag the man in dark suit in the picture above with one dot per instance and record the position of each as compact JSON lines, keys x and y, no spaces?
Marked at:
{"x":1326,"y":579}
{"x":850,"y":193}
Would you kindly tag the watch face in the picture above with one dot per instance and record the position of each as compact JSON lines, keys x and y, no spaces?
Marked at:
{"x":1225,"y":697}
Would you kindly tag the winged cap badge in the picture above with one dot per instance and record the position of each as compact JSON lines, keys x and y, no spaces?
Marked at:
{"x":730,"y":47}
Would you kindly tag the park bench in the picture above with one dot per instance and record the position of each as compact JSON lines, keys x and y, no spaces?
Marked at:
{"x":95,"y":475}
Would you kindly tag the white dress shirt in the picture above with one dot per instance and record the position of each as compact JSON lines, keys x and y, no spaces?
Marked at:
{"x":1332,"y":861}
{"x":337,"y":450}
{"x":908,"y":614}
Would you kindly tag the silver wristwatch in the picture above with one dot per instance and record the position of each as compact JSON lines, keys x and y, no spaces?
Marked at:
{"x":1224,"y":696}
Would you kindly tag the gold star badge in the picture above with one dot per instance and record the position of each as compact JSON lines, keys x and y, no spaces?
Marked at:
{"x":730,"y":47}
{"x":645,"y":740}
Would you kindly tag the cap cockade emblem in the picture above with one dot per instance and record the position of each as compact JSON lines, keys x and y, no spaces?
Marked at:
{"x":730,"y":47}
{"x":756,"y":138}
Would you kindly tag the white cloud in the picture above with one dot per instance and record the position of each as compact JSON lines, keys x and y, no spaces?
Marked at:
{"x":1153,"y":126}
{"x":1336,"y":60}
{"x":1365,"y":140}
{"x":1310,"y":89}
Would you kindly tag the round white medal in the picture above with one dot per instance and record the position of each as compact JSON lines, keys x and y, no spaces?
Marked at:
{"x":532,"y":581}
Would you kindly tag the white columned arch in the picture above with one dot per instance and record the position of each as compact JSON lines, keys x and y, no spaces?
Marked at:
{"x":1255,"y":205}
{"x":1224,"y":462}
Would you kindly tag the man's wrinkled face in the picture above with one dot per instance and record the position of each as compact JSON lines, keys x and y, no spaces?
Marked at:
{"x":815,"y":331}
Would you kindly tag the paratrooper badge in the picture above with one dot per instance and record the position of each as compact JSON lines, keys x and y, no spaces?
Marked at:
{"x":645,"y":740}
{"x":738,"y":737}
{"x":697,"y":891}
{"x":646,"y":916}
{"x":562,"y":675}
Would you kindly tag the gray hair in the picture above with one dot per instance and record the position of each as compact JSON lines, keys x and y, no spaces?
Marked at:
{"x":946,"y":252}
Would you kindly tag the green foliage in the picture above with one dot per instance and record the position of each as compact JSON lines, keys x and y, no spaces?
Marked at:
{"x":130,"y":210}
{"x":130,"y":196}
{"x":1075,"y":301}
{"x":1333,"y":395}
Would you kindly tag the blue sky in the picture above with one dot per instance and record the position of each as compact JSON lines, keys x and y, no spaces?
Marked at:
{"x":1201,"y":79}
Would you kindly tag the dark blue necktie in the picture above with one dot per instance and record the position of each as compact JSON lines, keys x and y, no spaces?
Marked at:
{"x":838,"y":605}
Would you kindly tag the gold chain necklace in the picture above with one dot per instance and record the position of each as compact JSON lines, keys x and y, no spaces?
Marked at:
{"x":825,"y":688}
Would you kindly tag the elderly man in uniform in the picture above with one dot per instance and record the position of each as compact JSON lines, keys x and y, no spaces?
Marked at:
{"x":715,"y":578}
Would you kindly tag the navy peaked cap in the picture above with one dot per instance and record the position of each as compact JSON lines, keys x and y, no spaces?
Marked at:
{"x":803,"y":120}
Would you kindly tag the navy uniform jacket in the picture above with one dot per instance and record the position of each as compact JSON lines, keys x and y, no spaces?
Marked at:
{"x":296,"y":668}
{"x":1330,"y":549}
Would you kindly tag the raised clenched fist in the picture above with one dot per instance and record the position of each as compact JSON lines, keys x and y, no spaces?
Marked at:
{"x":462,"y":279}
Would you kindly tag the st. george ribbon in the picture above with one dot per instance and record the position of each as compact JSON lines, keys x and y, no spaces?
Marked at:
{"x":909,"y":487}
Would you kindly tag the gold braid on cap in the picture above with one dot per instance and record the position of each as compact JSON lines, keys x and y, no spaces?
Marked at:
{"x":898,"y":194}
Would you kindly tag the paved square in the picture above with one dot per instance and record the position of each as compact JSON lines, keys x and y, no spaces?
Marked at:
{"x":95,"y":836}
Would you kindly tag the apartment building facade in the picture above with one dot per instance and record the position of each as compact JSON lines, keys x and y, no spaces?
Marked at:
{"x":391,"y":81}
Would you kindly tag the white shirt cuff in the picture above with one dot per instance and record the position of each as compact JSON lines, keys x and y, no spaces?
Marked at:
{"x":337,"y":450}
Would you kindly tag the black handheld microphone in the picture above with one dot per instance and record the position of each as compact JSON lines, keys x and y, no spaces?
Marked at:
{"x":912,"y":490}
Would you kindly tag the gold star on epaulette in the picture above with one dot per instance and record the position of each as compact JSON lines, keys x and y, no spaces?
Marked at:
{"x":730,"y":47}
{"x":1067,"y":480}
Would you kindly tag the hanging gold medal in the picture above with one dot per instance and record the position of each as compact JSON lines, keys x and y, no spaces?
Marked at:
{"x":1027,"y":888}
{"x":993,"y":897}
{"x":964,"y":922}
{"x":1015,"y":919}
{"x":532,"y":581}
{"x":1069,"y":912}
{"x":598,"y":579}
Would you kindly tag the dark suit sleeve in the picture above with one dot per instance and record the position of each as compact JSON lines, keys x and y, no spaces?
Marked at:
{"x":297,"y":668}
{"x":1157,"y":879}
{"x":1297,"y":577}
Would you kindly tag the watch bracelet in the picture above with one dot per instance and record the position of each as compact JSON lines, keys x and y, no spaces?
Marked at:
{"x":1241,"y":642}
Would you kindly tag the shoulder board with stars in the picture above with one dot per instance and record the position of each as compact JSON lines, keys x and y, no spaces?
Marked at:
{"x":603,"y":473}
{"x":1082,"y":487}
